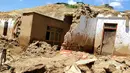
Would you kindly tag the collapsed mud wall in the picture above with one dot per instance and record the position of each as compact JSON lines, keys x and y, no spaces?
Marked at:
{"x":79,"y":37}
{"x":76,"y":37}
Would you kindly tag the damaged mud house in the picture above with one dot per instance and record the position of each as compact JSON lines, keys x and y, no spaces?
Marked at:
{"x":35,"y":26}
{"x":110,"y":35}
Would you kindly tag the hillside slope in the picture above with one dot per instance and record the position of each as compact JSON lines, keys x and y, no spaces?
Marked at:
{"x":59,"y":10}
{"x":55,"y":10}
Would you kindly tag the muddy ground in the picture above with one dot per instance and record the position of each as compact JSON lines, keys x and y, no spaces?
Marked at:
{"x":40,"y":57}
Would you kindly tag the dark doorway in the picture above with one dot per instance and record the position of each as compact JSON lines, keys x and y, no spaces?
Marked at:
{"x":68,"y":19}
{"x":108,"y":38}
{"x":5,"y":28}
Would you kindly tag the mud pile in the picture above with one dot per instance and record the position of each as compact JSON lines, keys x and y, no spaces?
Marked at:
{"x":40,"y":48}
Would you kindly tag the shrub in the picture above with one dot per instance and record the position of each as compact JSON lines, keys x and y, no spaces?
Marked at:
{"x":61,"y":3}
{"x":71,"y":6}
{"x":108,"y":6}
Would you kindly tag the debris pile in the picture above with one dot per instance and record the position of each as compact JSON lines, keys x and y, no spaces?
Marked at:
{"x":39,"y":48}
{"x":103,"y":64}
{"x":107,"y":64}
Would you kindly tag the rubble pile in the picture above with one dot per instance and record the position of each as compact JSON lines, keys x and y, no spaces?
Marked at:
{"x":107,"y":64}
{"x":103,"y":64}
{"x":39,"y":48}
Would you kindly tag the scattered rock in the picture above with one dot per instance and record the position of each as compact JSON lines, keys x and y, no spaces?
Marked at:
{"x":35,"y":69}
{"x":99,"y":71}
{"x":121,"y":60}
{"x":117,"y":71}
{"x":111,"y":68}
{"x":85,"y":69}
{"x":127,"y":62}
{"x":126,"y":71}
